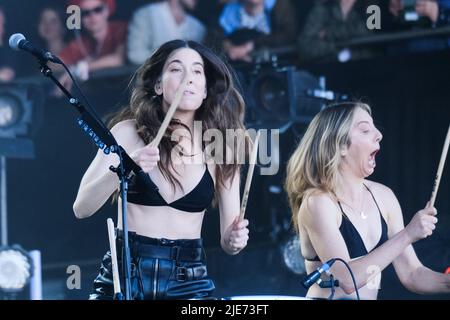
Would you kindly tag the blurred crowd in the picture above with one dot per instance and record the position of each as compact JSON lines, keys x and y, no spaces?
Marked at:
{"x":115,"y":33}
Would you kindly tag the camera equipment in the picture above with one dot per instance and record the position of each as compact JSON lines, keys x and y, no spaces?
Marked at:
{"x":277,"y":97}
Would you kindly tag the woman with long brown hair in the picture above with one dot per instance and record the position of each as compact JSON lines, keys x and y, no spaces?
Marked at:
{"x":168,"y":260}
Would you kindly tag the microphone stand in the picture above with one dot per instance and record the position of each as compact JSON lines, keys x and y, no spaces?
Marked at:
{"x":105,"y":141}
{"x":334,"y":283}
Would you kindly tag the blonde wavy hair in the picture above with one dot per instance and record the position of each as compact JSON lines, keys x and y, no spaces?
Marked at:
{"x":314,"y":164}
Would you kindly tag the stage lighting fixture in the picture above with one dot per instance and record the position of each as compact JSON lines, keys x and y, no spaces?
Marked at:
{"x":15,"y":110}
{"x":292,"y":255}
{"x":15,"y":269}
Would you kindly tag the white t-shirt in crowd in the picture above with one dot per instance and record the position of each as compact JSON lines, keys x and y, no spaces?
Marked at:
{"x":153,"y":25}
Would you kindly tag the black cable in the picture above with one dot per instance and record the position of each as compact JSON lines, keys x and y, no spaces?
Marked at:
{"x":351,"y":274}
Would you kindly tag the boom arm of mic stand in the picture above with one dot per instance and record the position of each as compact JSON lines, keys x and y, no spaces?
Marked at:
{"x":104,"y":139}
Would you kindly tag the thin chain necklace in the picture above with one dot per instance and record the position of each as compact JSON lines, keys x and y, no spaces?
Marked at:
{"x":182,"y":150}
{"x":183,"y":153}
{"x":358,"y":212}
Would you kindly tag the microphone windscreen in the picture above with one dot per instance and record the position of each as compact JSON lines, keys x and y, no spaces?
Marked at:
{"x":15,"y":39}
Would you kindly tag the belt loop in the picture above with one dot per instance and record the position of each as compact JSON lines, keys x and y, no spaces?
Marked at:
{"x":133,"y":269}
{"x":176,"y":253}
{"x":203,"y":256}
{"x":134,"y":244}
{"x":134,"y":249}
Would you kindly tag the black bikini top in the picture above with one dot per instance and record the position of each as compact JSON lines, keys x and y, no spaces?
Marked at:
{"x":142,"y":190}
{"x":355,"y":244}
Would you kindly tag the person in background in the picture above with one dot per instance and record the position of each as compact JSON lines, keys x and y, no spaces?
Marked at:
{"x":328,"y":25}
{"x":156,"y":23}
{"x":249,"y":25}
{"x":101,"y":43}
{"x":7,"y":61}
{"x":436,"y":13}
{"x":51,"y":30}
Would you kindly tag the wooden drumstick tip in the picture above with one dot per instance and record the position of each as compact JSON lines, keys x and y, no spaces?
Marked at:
{"x":437,"y":180}
{"x":253,"y":159}
{"x":112,"y":245}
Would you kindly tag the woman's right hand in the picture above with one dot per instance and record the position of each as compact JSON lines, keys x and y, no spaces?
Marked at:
{"x":147,"y":157}
{"x":422,"y":224}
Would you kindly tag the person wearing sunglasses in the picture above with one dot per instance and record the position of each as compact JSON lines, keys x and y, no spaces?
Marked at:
{"x":99,"y":45}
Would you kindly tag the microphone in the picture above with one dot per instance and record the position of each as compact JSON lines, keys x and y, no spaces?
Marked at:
{"x":313,"y":277}
{"x":18,"y":42}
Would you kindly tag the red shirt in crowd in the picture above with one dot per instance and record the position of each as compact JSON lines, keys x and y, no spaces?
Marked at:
{"x":85,"y":46}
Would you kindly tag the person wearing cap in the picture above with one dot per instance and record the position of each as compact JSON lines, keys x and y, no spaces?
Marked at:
{"x":101,"y":43}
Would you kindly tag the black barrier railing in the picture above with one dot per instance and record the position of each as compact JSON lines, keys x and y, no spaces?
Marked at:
{"x":271,"y":55}
{"x":388,"y":38}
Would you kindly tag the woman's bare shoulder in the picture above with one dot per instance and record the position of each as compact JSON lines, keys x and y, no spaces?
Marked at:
{"x":386,"y":199}
{"x":379,"y":189}
{"x":125,"y":125}
{"x":318,"y":195}
{"x":126,"y":134}
{"x":317,"y":200}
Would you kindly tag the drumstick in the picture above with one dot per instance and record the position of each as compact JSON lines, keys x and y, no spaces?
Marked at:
{"x":248,"y":181}
{"x":173,"y":107}
{"x":112,"y":245}
{"x":437,"y":180}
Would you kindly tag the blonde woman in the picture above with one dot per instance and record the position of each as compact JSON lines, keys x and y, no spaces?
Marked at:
{"x":341,"y":214}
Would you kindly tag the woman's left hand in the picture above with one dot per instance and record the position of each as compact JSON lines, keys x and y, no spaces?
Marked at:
{"x":236,"y":236}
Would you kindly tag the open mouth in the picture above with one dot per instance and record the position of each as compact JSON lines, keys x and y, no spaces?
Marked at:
{"x":372,"y":161}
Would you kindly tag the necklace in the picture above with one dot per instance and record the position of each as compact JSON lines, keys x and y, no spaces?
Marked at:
{"x":183,"y":153}
{"x":359,"y":212}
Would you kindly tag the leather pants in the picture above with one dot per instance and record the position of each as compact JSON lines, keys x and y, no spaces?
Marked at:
{"x":160,"y":269}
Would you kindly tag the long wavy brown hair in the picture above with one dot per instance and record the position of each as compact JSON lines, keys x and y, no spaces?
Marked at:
{"x":222,"y":109}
